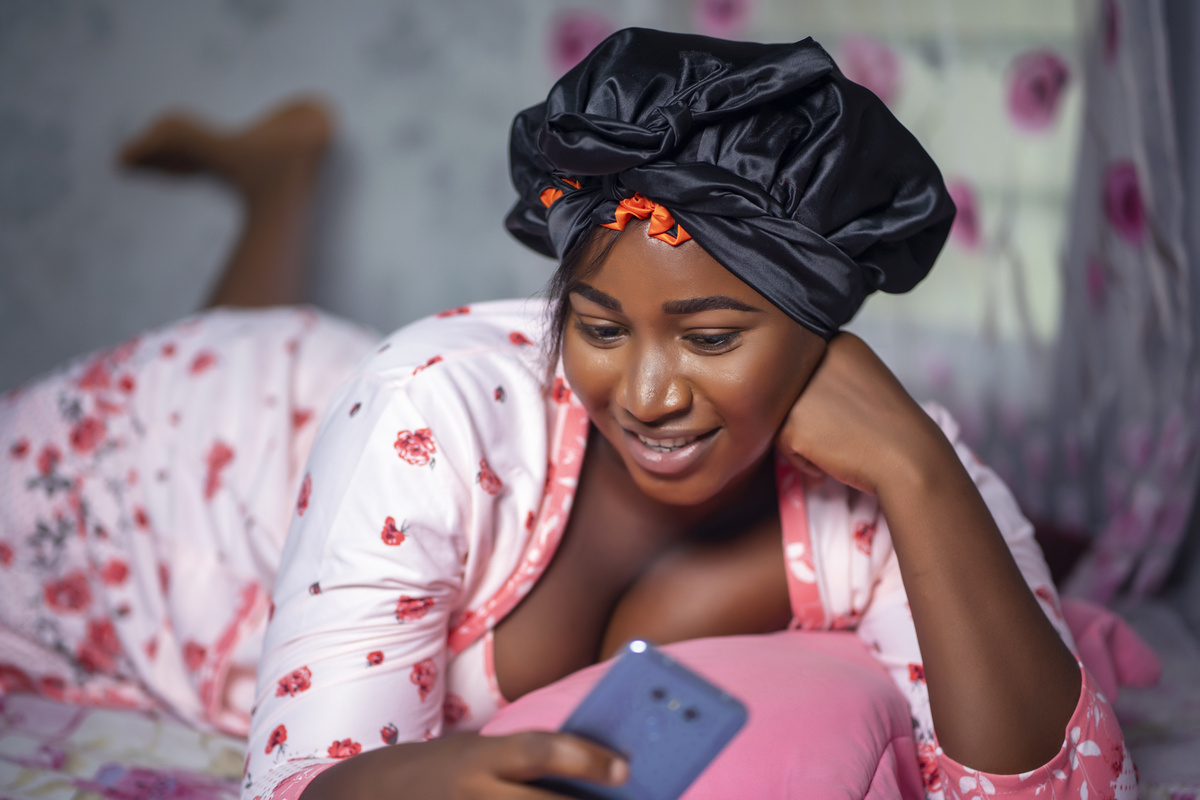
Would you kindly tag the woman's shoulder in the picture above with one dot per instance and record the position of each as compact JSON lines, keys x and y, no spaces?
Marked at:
{"x":495,"y":335}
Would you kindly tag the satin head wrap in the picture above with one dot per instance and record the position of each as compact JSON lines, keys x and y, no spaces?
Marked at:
{"x":795,"y":179}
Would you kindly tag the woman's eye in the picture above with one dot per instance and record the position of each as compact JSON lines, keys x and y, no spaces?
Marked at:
{"x":714,"y":342}
{"x":599,"y":333}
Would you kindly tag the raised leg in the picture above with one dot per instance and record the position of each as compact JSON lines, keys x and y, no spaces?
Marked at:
{"x":273,"y":165}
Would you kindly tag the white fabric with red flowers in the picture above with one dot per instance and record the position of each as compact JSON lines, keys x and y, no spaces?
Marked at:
{"x":147,"y":491}
{"x":437,"y":488}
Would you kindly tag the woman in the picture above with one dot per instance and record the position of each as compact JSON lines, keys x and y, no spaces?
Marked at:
{"x":469,"y":528}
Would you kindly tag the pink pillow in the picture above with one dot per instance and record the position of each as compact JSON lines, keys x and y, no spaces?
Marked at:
{"x":825,"y":721}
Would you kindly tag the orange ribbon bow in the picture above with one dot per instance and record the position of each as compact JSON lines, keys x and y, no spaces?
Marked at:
{"x":661,"y":221}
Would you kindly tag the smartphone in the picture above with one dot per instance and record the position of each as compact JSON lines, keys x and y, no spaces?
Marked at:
{"x":667,"y":721}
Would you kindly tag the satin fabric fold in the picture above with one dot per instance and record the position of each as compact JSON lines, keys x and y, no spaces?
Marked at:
{"x":797,"y":180}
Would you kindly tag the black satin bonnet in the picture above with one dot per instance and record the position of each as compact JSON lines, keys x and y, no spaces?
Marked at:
{"x":797,"y":180}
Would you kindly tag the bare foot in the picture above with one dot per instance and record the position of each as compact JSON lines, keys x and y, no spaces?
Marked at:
{"x":270,"y":154}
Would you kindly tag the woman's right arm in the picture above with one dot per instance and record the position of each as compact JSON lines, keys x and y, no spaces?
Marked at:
{"x":351,"y":682}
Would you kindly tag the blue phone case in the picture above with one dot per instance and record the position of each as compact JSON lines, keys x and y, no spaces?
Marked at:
{"x":666,"y":720}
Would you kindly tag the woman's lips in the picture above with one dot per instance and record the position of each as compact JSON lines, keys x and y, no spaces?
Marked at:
{"x":667,"y":455}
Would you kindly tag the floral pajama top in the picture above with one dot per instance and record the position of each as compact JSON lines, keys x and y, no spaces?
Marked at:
{"x":437,"y":488}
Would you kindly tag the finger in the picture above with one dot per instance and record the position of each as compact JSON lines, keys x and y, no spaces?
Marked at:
{"x":536,"y":754}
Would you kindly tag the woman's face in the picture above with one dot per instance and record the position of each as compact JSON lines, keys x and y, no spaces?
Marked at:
{"x":684,"y":369}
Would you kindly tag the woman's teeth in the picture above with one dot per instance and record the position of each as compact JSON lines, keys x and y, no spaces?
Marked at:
{"x":666,"y":445}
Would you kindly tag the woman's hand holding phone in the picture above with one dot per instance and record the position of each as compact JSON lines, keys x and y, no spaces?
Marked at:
{"x":467,"y":766}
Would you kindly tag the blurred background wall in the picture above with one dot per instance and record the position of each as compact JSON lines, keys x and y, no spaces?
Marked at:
{"x":1057,"y":325}
{"x":410,"y":216}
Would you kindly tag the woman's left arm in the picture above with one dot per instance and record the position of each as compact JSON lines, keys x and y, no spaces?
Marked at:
{"x":1002,"y":684}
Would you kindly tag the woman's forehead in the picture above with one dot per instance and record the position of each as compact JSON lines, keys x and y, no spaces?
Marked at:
{"x":639,"y":268}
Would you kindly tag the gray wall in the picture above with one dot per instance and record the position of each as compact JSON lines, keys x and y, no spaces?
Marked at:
{"x":410,"y":219}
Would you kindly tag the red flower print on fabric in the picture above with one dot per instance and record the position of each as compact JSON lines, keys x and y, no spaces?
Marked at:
{"x":86,"y":434}
{"x":1035,"y":89}
{"x":1123,"y":205}
{"x":416,"y":447}
{"x":520,"y":339}
{"x":52,"y":686}
{"x":114,"y":572}
{"x":278,"y":737}
{"x":344,"y":748}
{"x":99,"y":652}
{"x":219,"y":457}
{"x":294,"y":682}
{"x":455,"y":709}
{"x":561,"y":392}
{"x":164,"y":577}
{"x":454,"y":312}
{"x":71,"y":592}
{"x":314,"y":588}
{"x":203,"y":361}
{"x":305,"y":494}
{"x":354,"y":408}
{"x":428,"y":364}
{"x":96,"y":376}
{"x":151,"y":647}
{"x":126,"y":384}
{"x":916,"y":673}
{"x":19,"y":449}
{"x":6,"y":554}
{"x":48,"y":459}
{"x":374,"y":658}
{"x":14,"y":680}
{"x":389,"y":734}
{"x":391,"y":534}
{"x":168,"y":350}
{"x":498,"y":394}
{"x":193,"y":655}
{"x":423,"y":676}
{"x":301,"y":417}
{"x":488,"y":479}
{"x":864,"y":536}
{"x":409,"y":609}
{"x":140,"y":518}
{"x":930,"y":773}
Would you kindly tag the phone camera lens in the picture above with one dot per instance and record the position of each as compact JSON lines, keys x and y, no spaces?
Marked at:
{"x":658,"y":693}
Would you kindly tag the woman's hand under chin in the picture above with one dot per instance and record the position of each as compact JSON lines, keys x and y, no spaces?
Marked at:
{"x":855,"y":422}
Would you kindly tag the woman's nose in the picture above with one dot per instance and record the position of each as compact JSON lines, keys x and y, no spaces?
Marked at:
{"x":654,"y":388}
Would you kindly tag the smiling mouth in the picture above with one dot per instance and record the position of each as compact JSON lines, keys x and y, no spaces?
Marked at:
{"x":670,"y":445}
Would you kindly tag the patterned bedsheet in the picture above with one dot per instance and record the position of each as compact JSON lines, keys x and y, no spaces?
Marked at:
{"x":50,"y":751}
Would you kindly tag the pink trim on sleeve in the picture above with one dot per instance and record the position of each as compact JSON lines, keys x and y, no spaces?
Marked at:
{"x":568,"y":445}
{"x":1093,"y":762}
{"x":808,"y":611}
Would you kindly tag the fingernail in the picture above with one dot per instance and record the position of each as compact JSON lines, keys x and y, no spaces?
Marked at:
{"x":618,"y":771}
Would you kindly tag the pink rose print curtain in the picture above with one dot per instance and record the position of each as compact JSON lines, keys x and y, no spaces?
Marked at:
{"x":1125,"y":388}
{"x":1071,"y":363}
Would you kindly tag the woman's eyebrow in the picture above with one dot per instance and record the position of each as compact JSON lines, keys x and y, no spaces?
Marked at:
{"x":596,"y":296}
{"x":695,"y":305}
